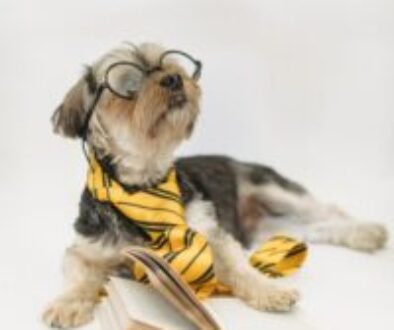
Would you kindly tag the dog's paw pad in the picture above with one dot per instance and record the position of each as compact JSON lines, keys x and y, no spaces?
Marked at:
{"x":368,"y":237}
{"x":65,"y":313}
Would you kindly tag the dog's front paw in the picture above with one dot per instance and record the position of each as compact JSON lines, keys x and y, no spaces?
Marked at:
{"x":267,"y":297}
{"x":367,"y":237}
{"x":274,"y":299}
{"x":68,"y":312}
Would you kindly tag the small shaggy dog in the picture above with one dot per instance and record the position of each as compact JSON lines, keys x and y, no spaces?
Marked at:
{"x":133,"y":107}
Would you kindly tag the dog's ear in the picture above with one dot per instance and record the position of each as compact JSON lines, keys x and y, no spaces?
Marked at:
{"x":68,"y":118}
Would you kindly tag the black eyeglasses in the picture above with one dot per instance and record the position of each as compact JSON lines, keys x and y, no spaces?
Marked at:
{"x":124,"y":79}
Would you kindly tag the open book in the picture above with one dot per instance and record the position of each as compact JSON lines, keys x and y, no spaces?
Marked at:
{"x":168,"y":303}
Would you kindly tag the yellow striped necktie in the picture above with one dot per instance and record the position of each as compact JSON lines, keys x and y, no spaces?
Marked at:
{"x":159,"y":212}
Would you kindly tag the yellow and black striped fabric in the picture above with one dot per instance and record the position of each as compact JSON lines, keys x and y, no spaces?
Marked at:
{"x":159,"y":211}
{"x":279,"y":256}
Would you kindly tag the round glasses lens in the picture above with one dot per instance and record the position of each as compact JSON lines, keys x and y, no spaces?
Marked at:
{"x":189,"y":66}
{"x":124,"y":79}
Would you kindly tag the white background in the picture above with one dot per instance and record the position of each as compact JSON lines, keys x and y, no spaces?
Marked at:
{"x":304,"y":85}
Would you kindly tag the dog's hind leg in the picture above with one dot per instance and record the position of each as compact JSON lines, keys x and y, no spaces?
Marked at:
{"x":318,"y":222}
{"x":85,"y":270}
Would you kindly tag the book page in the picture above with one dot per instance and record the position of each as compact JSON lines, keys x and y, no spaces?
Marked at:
{"x":144,"y":304}
{"x":105,"y":316}
{"x":172,"y":287}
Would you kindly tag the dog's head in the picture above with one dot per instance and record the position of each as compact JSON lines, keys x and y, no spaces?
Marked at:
{"x":133,"y":98}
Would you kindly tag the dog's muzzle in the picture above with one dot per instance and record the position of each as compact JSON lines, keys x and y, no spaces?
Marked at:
{"x":174,"y":84}
{"x":177,"y":101}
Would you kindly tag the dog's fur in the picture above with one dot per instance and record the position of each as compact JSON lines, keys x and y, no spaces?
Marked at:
{"x":224,"y":199}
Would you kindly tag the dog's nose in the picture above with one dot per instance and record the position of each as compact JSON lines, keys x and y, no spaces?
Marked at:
{"x":172,"y":81}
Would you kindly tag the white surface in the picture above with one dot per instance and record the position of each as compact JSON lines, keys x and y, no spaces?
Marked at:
{"x":304,"y":85}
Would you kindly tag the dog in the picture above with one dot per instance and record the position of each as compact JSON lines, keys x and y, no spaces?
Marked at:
{"x":133,"y":107}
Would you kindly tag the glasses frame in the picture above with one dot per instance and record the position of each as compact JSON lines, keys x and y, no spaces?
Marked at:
{"x":107,"y":85}
{"x":145,"y":72}
{"x":197,"y":71}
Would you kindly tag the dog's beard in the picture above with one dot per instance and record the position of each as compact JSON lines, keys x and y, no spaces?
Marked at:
{"x":173,"y":123}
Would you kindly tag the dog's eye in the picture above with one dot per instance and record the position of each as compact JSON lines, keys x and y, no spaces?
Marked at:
{"x":124,"y":79}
